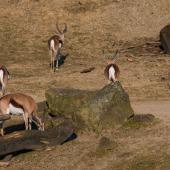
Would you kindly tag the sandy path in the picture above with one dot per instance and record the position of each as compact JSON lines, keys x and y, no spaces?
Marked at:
{"x":161,"y":109}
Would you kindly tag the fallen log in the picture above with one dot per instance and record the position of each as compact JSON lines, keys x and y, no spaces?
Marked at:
{"x":34,"y":139}
{"x":4,"y":117}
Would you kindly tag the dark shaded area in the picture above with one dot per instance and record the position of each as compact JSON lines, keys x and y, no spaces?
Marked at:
{"x":61,"y":59}
{"x":14,"y":128}
{"x":18,"y":127}
{"x":161,"y":47}
{"x":70,"y":138}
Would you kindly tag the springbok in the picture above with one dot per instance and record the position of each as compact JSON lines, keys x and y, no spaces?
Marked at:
{"x":55,"y":43}
{"x":20,"y":104}
{"x":112,"y":71}
{"x":4,"y":77}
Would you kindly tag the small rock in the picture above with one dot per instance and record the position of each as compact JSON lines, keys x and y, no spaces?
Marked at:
{"x":130,"y":59}
{"x":163,"y":78}
{"x":143,"y":118}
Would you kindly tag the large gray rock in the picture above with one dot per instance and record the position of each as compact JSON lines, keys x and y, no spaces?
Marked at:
{"x":107,"y":108}
{"x":165,"y":38}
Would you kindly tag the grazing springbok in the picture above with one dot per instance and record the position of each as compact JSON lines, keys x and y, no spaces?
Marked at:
{"x":55,"y":43}
{"x":4,"y":77}
{"x":20,"y":104}
{"x":112,"y":71}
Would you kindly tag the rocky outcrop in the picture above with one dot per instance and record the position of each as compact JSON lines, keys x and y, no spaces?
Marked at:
{"x":107,"y":108}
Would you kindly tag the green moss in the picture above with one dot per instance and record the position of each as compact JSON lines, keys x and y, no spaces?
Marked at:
{"x":97,"y":110}
{"x":66,"y":101}
{"x":79,"y":123}
{"x":140,"y":121}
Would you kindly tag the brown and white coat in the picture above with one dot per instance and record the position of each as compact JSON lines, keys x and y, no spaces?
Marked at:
{"x":4,"y":77}
{"x":21,"y":104}
{"x":112,"y":72}
{"x":55,"y":43}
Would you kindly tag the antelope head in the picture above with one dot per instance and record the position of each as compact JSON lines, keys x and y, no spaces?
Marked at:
{"x":61,"y":33}
{"x":38,"y":122}
{"x":112,"y":58}
{"x":41,"y":127}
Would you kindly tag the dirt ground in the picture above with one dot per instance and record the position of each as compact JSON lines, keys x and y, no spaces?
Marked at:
{"x":131,"y":26}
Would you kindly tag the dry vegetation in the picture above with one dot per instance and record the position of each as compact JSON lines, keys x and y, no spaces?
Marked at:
{"x":93,"y":26}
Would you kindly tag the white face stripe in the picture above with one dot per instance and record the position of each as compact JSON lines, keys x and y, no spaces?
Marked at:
{"x":14,"y":110}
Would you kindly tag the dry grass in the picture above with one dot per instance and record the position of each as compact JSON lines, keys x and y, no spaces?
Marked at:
{"x":93,"y":26}
{"x":27,"y":24}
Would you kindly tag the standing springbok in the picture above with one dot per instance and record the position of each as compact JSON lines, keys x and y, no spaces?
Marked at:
{"x":55,"y":43}
{"x":20,"y":104}
{"x":4,"y":77}
{"x":112,"y":71}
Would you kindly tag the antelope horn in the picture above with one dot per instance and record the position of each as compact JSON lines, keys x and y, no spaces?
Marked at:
{"x":59,"y":31}
{"x":116,"y":55}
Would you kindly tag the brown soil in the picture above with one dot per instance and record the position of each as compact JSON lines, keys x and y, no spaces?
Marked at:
{"x":93,"y":26}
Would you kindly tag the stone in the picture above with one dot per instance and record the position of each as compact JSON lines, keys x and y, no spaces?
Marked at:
{"x":96,"y":110}
{"x":165,"y":38}
{"x":66,"y":101}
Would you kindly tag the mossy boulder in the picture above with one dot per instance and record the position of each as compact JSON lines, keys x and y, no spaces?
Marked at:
{"x":66,"y":101}
{"x":106,"y":108}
